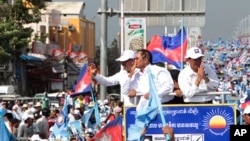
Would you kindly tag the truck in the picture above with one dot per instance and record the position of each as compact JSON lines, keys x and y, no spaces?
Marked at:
{"x":7,"y":93}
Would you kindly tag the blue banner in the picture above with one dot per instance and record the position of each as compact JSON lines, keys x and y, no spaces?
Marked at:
{"x":190,"y":123}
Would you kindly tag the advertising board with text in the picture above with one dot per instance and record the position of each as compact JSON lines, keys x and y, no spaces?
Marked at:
{"x":135,"y":33}
{"x":190,"y":123}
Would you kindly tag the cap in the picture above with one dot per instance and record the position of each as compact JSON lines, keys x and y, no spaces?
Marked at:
{"x":76,"y":112}
{"x":89,"y":130}
{"x":38,"y":104}
{"x":27,"y":116}
{"x":247,"y":110}
{"x":14,"y":107}
{"x":36,"y":137}
{"x":25,"y":106}
{"x":91,"y":104}
{"x":103,"y":119}
{"x":126,"y":55}
{"x":105,"y":102}
{"x":194,"y":53}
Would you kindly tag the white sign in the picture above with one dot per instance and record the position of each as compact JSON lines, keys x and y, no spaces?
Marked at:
{"x":135,"y":33}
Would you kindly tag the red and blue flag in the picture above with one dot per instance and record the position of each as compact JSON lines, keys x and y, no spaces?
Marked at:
{"x":112,"y":130}
{"x":84,"y":84}
{"x":169,"y":49}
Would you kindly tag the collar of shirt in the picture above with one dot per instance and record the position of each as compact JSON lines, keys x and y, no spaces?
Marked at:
{"x":191,"y":72}
{"x":145,"y":70}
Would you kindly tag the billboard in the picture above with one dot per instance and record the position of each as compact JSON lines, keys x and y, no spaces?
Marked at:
{"x":135,"y":33}
{"x":167,"y":12}
{"x":190,"y":123}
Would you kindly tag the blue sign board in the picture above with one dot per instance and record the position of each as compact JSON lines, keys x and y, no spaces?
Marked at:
{"x":190,"y":123}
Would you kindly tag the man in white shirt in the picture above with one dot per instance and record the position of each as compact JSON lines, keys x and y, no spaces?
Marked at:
{"x":196,"y":78}
{"x":123,"y":77}
{"x":162,"y":79}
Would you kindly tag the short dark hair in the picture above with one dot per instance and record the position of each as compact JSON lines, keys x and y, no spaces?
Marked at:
{"x":146,"y":54}
{"x":14,"y":120}
{"x":9,"y":116}
{"x":46,"y":112}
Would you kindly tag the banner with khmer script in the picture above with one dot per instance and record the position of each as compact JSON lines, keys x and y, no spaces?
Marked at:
{"x":190,"y":123}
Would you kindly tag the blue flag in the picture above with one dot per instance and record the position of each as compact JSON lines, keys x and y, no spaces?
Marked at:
{"x":86,"y":116}
{"x":60,"y":126}
{"x":169,"y":49}
{"x":146,"y":115}
{"x":97,"y":115}
{"x":5,"y":134}
{"x":84,"y":84}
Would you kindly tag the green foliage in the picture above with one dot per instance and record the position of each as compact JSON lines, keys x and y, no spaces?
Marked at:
{"x":112,"y":54}
{"x":14,"y":36}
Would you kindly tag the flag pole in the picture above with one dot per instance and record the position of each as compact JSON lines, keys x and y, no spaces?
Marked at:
{"x":182,"y":26}
{"x":158,"y":103}
{"x":122,"y":35}
{"x":66,"y":118}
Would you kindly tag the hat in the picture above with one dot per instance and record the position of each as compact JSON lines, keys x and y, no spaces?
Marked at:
{"x":38,"y":104}
{"x":105,"y":102}
{"x":76,"y":112}
{"x":89,"y":130}
{"x":27,"y":116}
{"x":126,"y":55}
{"x":36,"y":137}
{"x":14,"y":107}
{"x":25,"y":106}
{"x":91,"y":104}
{"x":194,"y":53}
{"x":103,"y":119}
{"x":247,"y":110}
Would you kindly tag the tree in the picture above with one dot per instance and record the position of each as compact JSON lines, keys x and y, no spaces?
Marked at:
{"x":112,"y":54}
{"x":15,"y":37}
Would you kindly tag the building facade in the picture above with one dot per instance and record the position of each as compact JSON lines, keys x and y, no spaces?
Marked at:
{"x":69,"y":43}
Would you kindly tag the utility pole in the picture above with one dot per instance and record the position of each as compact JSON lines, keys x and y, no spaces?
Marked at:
{"x":103,"y":40}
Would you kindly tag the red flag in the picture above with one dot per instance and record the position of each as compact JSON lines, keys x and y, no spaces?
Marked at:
{"x":168,"y":49}
{"x":84,"y":82}
{"x":112,"y":130}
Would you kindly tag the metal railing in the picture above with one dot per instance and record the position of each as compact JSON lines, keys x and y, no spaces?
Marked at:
{"x":221,"y":94}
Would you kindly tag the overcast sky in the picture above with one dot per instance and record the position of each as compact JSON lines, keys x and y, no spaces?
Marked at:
{"x":222,"y":16}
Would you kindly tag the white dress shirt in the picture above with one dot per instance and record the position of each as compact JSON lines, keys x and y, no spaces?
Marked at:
{"x":163,"y":82}
{"x":186,"y":81}
{"x":121,"y":78}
